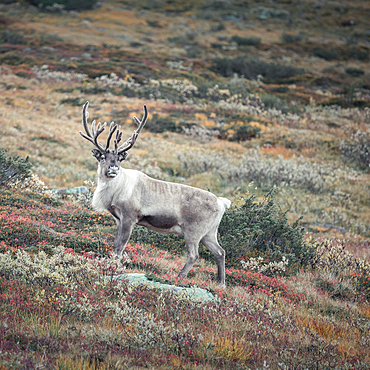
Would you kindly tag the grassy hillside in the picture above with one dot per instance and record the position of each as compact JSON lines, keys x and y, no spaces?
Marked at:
{"x":230,"y":94}
{"x":243,"y":97}
{"x":61,"y":307}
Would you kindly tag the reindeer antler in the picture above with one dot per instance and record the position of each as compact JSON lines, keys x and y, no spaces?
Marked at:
{"x":130,"y":142}
{"x":95,"y":132}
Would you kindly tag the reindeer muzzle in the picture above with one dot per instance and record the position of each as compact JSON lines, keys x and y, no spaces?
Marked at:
{"x":112,"y":171}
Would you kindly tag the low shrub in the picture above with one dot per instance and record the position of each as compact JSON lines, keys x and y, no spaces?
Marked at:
{"x":162,"y":124}
{"x":240,"y":132}
{"x":75,"y":102}
{"x":67,"y":4}
{"x":264,"y":172}
{"x":247,"y":41}
{"x":332,"y":256}
{"x":263,"y":227}
{"x":8,"y":37}
{"x":287,"y":38}
{"x":354,"y":72}
{"x":13,"y":168}
{"x":44,"y":74}
{"x":359,"y":53}
{"x":341,"y":274}
{"x":236,"y":85}
{"x":252,"y":67}
{"x":326,"y":54}
{"x":335,"y":288}
{"x":272,"y":101}
{"x":74,"y":228}
{"x":356,"y":150}
{"x":218,"y":27}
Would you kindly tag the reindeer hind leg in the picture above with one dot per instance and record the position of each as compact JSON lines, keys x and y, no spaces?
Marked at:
{"x":211,"y":243}
{"x":192,"y":247}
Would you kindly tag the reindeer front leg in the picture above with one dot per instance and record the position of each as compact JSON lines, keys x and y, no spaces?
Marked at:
{"x":124,"y":229}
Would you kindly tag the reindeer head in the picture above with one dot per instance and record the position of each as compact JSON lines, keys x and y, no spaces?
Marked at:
{"x":109,"y":160}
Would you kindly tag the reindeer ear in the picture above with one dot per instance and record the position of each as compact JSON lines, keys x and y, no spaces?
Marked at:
{"x":122,"y":156}
{"x":97,"y":154}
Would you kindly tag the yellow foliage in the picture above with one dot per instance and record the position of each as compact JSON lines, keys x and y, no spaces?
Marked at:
{"x":224,"y":92}
{"x":201,"y":116}
{"x":209,"y":123}
{"x":321,"y":229}
{"x":232,"y":349}
{"x":328,"y":330}
{"x":365,"y":310}
{"x":262,"y":127}
{"x":21,"y":103}
{"x":278,"y":150}
{"x":81,"y":363}
{"x":176,"y":361}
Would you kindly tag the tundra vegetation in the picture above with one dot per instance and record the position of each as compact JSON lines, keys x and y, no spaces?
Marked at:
{"x":264,"y":103}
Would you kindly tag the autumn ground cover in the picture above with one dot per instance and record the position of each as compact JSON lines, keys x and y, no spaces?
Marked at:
{"x":242,"y":98}
{"x":62,"y":308}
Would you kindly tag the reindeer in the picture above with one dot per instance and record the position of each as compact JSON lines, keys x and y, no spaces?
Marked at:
{"x":134,"y":198}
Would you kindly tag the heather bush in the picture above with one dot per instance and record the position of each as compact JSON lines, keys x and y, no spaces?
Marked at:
{"x":356,"y":150}
{"x":13,"y":169}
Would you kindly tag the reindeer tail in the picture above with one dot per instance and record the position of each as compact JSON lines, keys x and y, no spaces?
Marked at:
{"x":226,"y":202}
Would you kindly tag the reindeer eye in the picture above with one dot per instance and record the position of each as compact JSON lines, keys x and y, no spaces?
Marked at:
{"x":102,"y":159}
